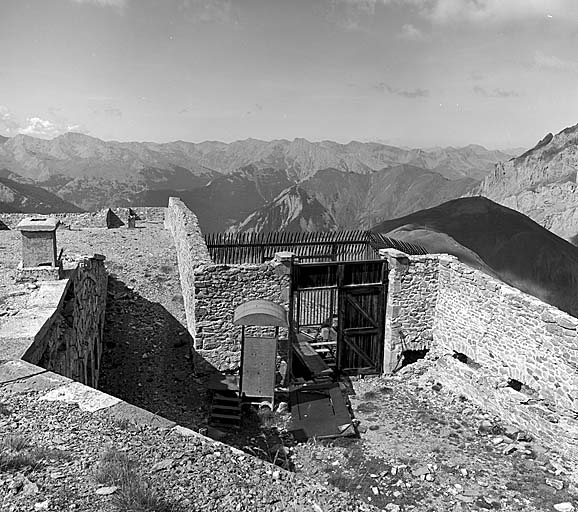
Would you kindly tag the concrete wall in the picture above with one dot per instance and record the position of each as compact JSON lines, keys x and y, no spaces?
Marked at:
{"x":501,"y":336}
{"x":62,"y":324}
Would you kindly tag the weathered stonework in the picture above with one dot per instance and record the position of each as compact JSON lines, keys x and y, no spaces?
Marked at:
{"x":220,"y":289}
{"x":191,"y":252}
{"x":508,"y":340}
{"x":516,"y":356}
{"x":62,"y":325}
{"x":411,"y":300}
{"x":212,"y":292}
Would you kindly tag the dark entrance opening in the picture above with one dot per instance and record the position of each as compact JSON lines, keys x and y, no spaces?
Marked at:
{"x":412,"y":356}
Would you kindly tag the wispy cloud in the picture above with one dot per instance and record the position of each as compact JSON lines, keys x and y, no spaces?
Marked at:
{"x":37,"y":127}
{"x":495,"y":93}
{"x":544,"y":61}
{"x":112,"y":112}
{"x":34,"y":125}
{"x":8,"y":121}
{"x":479,"y":11}
{"x":119,"y":4}
{"x":211,"y":11}
{"x":350,"y":15}
{"x":405,"y":93}
{"x":411,"y":33}
{"x":494,"y":11}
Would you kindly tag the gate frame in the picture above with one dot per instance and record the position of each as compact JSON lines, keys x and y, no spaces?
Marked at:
{"x":341,"y":289}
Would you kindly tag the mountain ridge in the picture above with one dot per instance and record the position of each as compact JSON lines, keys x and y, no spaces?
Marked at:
{"x":514,"y":247}
{"x":541,"y":183}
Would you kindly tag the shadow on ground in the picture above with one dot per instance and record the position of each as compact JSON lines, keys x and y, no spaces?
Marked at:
{"x":147,"y":359}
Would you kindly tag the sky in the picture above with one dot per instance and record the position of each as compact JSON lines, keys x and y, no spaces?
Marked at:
{"x":415,"y":73}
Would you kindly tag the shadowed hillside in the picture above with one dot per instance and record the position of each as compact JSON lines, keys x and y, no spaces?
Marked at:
{"x":359,"y":201}
{"x":293,"y":210}
{"x":515,"y":248}
{"x":20,"y":196}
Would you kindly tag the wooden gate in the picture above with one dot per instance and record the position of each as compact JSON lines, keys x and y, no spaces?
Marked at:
{"x":355,"y":293}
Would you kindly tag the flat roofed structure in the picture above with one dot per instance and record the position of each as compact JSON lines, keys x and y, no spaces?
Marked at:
{"x":38,"y":241}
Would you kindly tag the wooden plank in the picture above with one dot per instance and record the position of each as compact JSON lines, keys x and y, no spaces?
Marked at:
{"x":311,"y":359}
{"x":362,"y":355}
{"x":258,"y":379}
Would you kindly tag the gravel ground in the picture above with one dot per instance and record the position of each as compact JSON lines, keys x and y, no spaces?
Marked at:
{"x":13,"y":296}
{"x":425,"y":448}
{"x":421,"y":447}
{"x":182,"y":473}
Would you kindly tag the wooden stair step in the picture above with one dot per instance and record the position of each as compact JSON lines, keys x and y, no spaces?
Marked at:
{"x":230,"y":398}
{"x":227,"y":407}
{"x":231,"y":417}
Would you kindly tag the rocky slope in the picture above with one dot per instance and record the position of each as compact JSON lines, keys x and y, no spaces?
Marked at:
{"x":19,"y":196}
{"x":292,"y":210}
{"x":360,"y":201}
{"x":226,"y":200}
{"x":93,"y":173}
{"x":355,"y":201}
{"x":541,"y":183}
{"x":500,"y":241}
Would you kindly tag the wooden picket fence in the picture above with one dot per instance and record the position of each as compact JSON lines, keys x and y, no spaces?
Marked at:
{"x":347,"y":245}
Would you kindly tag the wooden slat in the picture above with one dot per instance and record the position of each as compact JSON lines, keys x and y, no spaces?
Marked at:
{"x":230,"y":248}
{"x":258,"y":366}
{"x":311,"y":359}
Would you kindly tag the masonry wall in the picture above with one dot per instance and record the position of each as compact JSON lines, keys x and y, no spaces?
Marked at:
{"x":411,"y":303}
{"x":61,"y":326}
{"x":511,"y":353}
{"x":191,"y":252}
{"x":220,"y":289}
{"x":73,"y":344}
{"x":506,"y":335}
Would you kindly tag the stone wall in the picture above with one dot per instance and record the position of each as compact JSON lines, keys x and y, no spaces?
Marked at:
{"x":220,"y":289}
{"x":73,"y":344}
{"x":522,"y":354}
{"x":212,"y":292}
{"x":191,"y":252}
{"x":511,"y":353}
{"x":411,"y":302}
{"x":62,"y":324}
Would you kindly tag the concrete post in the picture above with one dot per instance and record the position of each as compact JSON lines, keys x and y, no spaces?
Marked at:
{"x":39,"y":256}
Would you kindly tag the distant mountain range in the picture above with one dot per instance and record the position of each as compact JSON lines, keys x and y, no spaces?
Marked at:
{"x":499,"y":241}
{"x":542,"y":183}
{"x":349,"y":201}
{"x":18,"y":196}
{"x":92,"y":173}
